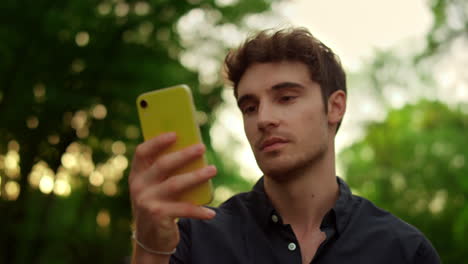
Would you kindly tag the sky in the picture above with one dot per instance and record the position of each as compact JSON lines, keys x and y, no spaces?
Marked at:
{"x":353,"y":29}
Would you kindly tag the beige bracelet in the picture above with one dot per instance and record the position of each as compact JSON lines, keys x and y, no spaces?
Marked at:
{"x":155,"y":252}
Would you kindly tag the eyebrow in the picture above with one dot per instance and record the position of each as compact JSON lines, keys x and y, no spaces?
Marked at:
{"x":276,"y":87}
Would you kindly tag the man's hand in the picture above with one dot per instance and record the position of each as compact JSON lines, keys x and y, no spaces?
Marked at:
{"x":154,"y":191}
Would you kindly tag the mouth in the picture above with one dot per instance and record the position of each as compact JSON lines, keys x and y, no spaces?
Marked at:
{"x":271,"y":144}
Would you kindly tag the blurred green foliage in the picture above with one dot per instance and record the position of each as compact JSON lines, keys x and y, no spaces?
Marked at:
{"x":414,"y":164}
{"x":70,"y":72}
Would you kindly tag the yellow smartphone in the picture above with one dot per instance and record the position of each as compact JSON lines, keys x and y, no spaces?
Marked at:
{"x":172,"y":110}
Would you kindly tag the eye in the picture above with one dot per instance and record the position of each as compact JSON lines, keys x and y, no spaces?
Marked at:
{"x":249,"y":109}
{"x":287,"y":98}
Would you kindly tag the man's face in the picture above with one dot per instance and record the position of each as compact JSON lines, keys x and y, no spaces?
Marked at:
{"x":284,"y":117}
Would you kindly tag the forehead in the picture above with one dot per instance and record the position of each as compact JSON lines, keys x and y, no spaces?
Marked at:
{"x":262,"y":76}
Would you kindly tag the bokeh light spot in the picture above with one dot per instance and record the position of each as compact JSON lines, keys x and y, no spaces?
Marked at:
{"x":142,"y":8}
{"x":104,"y":8}
{"x":69,"y":160}
{"x":53,"y":139}
{"x":79,"y":120}
{"x":82,"y":38}
{"x":118,"y":148}
{"x":62,"y":188}
{"x":39,"y":92}
{"x":12,"y":190}
{"x":132,"y":132}
{"x":120,"y":162}
{"x":13,"y":145}
{"x":32,"y":122}
{"x":99,"y":111}
{"x":109,"y":188}
{"x":46,"y":184}
{"x":121,"y":9}
{"x":103,"y":218}
{"x":96,"y":178}
{"x":78,"y":65}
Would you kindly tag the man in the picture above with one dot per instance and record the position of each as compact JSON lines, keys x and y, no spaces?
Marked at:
{"x":291,"y":90}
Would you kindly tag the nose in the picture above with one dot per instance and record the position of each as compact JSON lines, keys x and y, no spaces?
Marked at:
{"x":267,"y":117}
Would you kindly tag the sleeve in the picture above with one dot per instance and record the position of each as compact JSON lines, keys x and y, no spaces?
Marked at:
{"x":426,"y":254}
{"x":182,"y":254}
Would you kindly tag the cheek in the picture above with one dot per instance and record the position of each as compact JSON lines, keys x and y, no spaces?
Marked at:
{"x":311,"y":122}
{"x":249,"y":129}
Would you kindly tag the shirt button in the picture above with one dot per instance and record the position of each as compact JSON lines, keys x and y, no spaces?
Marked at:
{"x":292,"y":246}
{"x":274,"y":218}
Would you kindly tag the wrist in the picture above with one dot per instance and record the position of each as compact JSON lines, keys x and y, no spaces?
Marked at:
{"x":141,"y":256}
{"x":150,"y":250}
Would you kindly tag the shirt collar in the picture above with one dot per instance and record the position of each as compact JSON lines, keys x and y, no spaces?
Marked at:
{"x":338,"y":216}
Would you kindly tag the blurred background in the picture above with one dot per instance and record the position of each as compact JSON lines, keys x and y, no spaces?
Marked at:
{"x":70,"y":72}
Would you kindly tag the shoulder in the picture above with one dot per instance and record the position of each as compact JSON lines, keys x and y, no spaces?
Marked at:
{"x":391,"y":231}
{"x":383,"y":220}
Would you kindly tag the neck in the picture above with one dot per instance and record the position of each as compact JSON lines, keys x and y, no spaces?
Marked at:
{"x":304,"y":200}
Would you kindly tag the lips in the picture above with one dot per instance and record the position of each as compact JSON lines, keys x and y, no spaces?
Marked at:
{"x":271,"y":141}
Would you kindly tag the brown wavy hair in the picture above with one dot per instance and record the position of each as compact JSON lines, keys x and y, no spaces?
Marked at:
{"x":291,"y":44}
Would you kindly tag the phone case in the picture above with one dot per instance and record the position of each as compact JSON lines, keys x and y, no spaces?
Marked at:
{"x":172,"y":110}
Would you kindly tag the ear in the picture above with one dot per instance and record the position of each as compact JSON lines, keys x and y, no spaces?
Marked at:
{"x":336,"y":107}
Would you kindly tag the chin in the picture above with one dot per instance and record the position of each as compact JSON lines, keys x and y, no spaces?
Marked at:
{"x":285,"y":168}
{"x":277,"y":173}
{"x":282,"y":169}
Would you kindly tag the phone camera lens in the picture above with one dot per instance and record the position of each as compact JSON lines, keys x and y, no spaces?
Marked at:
{"x":143,"y":104}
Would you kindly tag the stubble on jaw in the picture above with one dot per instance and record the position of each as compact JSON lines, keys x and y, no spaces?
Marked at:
{"x":293,"y":166}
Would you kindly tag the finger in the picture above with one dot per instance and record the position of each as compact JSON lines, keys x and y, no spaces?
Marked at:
{"x":178,"y":184}
{"x":146,"y":152}
{"x":162,"y":168}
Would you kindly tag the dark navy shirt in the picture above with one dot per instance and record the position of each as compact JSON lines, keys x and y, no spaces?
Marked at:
{"x":247,"y":229}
